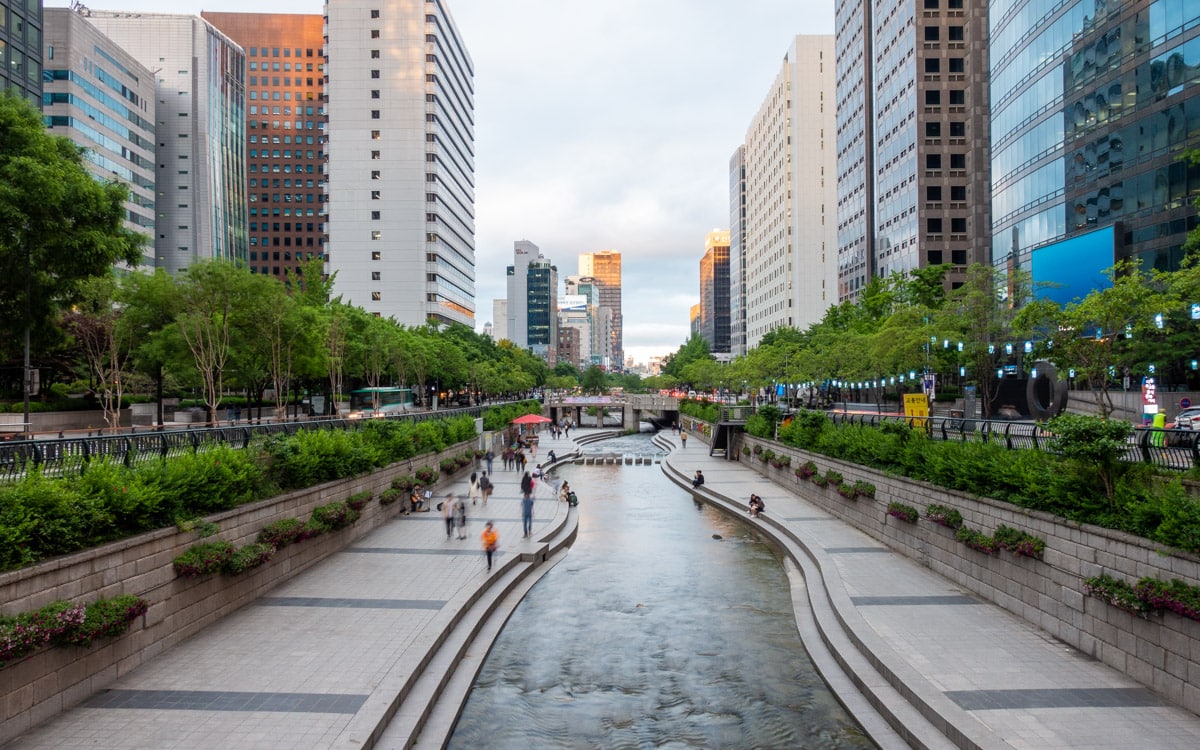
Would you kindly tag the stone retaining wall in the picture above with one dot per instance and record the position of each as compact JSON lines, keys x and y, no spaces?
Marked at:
{"x":54,"y":679}
{"x":1161,"y":652}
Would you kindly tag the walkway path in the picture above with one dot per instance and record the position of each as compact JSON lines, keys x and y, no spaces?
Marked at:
{"x":326,"y":659}
{"x":383,"y":641}
{"x":952,"y":669}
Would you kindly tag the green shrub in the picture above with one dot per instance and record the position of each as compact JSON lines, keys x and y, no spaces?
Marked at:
{"x":834,"y":477}
{"x":864,"y":488}
{"x":359,"y":500}
{"x":330,"y":517}
{"x":943,"y":516}
{"x":390,"y":495}
{"x":250,"y":556}
{"x":281,"y":533}
{"x":216,"y":479}
{"x":312,"y":457}
{"x":905,"y":513}
{"x":203,"y":559}
{"x":976,"y":540}
{"x":1116,"y":592}
{"x":1019,"y":542}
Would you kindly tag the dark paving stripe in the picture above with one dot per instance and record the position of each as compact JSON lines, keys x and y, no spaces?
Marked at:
{"x":808,"y":518}
{"x":471,"y":550}
{"x":215,"y":700}
{"x":984,"y":700}
{"x":888,"y":601}
{"x":335,"y":602}
{"x":854,"y":550}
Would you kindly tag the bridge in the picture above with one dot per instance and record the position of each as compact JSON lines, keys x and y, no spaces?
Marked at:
{"x":634,"y":408}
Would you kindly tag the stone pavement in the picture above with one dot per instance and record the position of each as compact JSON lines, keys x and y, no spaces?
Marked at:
{"x":898,"y":642}
{"x":378,"y":645}
{"x":367,"y":637}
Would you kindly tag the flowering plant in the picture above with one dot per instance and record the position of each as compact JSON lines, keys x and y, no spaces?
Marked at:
{"x":1116,"y":592}
{"x":202,"y":559}
{"x":389,"y":496}
{"x":943,"y":516}
{"x":63,"y":623}
{"x":1019,"y":542}
{"x":905,"y":513}
{"x":834,"y":477}
{"x":281,"y":533}
{"x":1176,"y":596}
{"x":426,"y":475}
{"x":359,"y":500}
{"x":806,"y":470}
{"x":864,"y":488}
{"x":976,"y":540}
{"x":249,"y":556}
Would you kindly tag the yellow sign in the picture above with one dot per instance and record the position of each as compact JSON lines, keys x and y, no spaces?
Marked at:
{"x":916,"y":407}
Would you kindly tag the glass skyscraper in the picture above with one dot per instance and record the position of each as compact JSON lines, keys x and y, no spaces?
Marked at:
{"x":1092,"y":104}
{"x":21,"y":48}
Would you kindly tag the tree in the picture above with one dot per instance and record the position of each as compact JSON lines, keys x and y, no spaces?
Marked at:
{"x":58,"y":227}
{"x":212,"y":296}
{"x":594,"y":380}
{"x":148,"y":312}
{"x":107,"y":345}
{"x":694,"y":348}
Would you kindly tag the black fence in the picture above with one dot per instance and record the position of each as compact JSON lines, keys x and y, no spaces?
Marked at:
{"x":1169,"y":449}
{"x":67,"y":455}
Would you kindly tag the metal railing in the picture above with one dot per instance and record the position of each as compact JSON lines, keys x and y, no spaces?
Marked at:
{"x":1169,"y":449}
{"x":66,"y":455}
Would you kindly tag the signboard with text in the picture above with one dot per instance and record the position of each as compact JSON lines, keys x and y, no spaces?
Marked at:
{"x":1149,"y":396}
{"x":916,"y":407}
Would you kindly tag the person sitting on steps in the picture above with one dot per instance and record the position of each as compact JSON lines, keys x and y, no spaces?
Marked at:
{"x":757,"y":506}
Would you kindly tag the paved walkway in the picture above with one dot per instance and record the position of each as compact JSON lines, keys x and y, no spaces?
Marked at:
{"x":384,"y":639}
{"x":327,"y":659}
{"x":962,"y":672}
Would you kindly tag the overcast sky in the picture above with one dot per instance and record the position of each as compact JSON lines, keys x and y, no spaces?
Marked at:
{"x":604,"y":125}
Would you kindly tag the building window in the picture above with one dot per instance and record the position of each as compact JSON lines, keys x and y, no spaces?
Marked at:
{"x":375,"y":135}
{"x":955,"y":34}
{"x":958,"y":130}
{"x":933,"y":130}
{"x":374,"y":174}
{"x":374,"y":114}
{"x":374,"y":73}
{"x":376,"y":276}
{"x":958,"y":192}
{"x":958,"y":161}
{"x":374,"y":13}
{"x":933,"y":65}
{"x":933,"y":97}
{"x":956,"y":65}
{"x":376,"y":234}
{"x":933,"y":226}
{"x":374,"y":195}
{"x":375,"y":156}
{"x":376,"y":255}
{"x":932,"y":33}
{"x":933,"y":193}
{"x":958,"y":96}
{"x":376,"y":296}
{"x":374,"y":54}
{"x":375,"y":215}
{"x":933,"y":161}
{"x":374,"y":33}
{"x":958,"y":226}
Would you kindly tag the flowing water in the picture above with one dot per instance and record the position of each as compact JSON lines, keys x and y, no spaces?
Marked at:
{"x":668,"y":625}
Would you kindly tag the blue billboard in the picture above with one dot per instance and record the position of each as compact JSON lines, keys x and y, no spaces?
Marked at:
{"x":1074,"y":267}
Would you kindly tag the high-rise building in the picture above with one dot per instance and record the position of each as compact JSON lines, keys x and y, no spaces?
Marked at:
{"x":605,"y":266}
{"x":400,"y":104}
{"x":285,"y":135}
{"x":575,"y":312}
{"x":912,"y":138}
{"x":200,"y":125}
{"x":1093,"y":104}
{"x":600,"y":320}
{"x":714,"y":291}
{"x":103,"y":99}
{"x":500,"y":319}
{"x":517,"y":279}
{"x":790,"y":229}
{"x":541,"y":306}
{"x":21,"y":48}
{"x":569,"y":339}
{"x":737,"y":258}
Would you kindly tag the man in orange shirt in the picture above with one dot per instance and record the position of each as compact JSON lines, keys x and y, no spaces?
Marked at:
{"x":490,"y":540}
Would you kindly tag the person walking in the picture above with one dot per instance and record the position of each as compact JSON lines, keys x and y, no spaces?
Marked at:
{"x":447,"y":508}
{"x":488,"y":458}
{"x":485,"y":487}
{"x":521,"y":461}
{"x":473,"y":492}
{"x":491,"y":540}
{"x":683,"y":439}
{"x":527,"y":504}
{"x":460,"y":518}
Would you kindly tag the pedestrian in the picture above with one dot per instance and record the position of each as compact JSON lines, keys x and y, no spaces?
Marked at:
{"x":447,"y":509}
{"x":683,"y":438}
{"x":473,"y":491}
{"x":698,"y":480}
{"x":488,"y":458}
{"x":550,"y":457}
{"x":414,"y":500}
{"x":564,"y":490}
{"x":521,"y":461}
{"x":491,"y":540}
{"x":527,"y":504}
{"x":485,"y":487}
{"x":460,"y":518}
{"x":757,"y":505}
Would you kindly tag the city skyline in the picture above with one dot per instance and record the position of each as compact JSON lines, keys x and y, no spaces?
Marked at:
{"x":627,"y":145}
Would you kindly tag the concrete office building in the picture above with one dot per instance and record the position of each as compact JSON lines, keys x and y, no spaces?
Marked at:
{"x":103,"y":99}
{"x":714,"y":291}
{"x":911,"y":137}
{"x":576,"y":313}
{"x":517,"y":281}
{"x":790,"y":235}
{"x":737,"y":258}
{"x":1093,"y":103}
{"x":200,"y":124}
{"x":605,"y":267}
{"x":499,"y":319}
{"x":21,"y":48}
{"x":285,"y":135}
{"x":401,"y":113}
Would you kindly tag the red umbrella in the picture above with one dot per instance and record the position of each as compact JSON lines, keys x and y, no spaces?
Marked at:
{"x":532,"y":419}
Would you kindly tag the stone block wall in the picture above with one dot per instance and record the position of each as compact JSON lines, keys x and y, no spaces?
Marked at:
{"x":1160,"y":652}
{"x":54,"y":679}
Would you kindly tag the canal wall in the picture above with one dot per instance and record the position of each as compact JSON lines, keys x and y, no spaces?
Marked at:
{"x":56,"y":678}
{"x":1159,"y":651}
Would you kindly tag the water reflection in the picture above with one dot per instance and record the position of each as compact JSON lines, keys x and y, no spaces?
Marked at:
{"x":653,"y":633}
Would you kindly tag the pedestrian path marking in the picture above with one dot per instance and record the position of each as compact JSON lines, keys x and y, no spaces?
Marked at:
{"x":220,"y":700}
{"x":345,"y":603}
{"x":854,"y":550}
{"x":892,"y":601}
{"x":983,"y":700}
